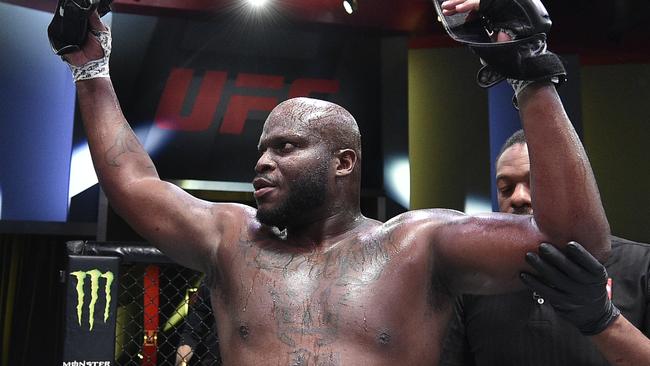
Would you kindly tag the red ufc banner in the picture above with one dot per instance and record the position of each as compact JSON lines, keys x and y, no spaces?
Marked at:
{"x":202,"y":92}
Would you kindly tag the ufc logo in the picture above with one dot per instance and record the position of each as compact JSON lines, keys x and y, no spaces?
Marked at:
{"x":204,"y":106}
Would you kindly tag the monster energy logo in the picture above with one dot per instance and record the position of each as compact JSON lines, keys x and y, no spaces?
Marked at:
{"x":94,"y":275}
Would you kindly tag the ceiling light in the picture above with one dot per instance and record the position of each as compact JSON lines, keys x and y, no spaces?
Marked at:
{"x":257,"y":3}
{"x":350,"y":6}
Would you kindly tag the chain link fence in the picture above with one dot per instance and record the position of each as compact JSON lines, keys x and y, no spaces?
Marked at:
{"x":163,"y":314}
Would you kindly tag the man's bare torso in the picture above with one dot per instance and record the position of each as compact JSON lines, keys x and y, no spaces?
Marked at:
{"x":368,"y":299}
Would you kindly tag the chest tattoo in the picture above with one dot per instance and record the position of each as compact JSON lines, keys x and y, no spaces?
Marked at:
{"x":303,"y":357}
{"x":310,"y":292}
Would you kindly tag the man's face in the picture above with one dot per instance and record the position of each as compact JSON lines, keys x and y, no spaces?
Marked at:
{"x":513,"y":180}
{"x":292,"y":172}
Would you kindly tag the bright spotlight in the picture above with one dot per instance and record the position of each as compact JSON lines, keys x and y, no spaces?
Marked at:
{"x":257,"y":3}
{"x":397,"y":178}
{"x":350,"y":6}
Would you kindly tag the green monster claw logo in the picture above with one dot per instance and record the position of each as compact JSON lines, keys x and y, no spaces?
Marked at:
{"x":94,"y":275}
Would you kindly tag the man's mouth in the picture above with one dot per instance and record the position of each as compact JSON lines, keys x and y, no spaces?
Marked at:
{"x":262,"y":186}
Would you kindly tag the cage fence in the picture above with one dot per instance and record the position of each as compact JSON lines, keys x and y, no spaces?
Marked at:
{"x":161,"y":306}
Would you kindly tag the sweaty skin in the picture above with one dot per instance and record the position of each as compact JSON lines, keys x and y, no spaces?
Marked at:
{"x":621,"y":343}
{"x":322,"y":284}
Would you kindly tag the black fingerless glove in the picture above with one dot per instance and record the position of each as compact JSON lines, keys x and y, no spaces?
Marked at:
{"x":525,"y":57}
{"x":68,"y":29}
{"x":574,"y":283}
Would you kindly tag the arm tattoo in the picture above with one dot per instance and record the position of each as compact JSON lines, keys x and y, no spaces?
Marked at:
{"x":125,"y":142}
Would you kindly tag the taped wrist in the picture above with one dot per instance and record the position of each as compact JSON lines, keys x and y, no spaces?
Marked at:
{"x":95,"y":68}
{"x":599,"y":325}
{"x":519,"y":85}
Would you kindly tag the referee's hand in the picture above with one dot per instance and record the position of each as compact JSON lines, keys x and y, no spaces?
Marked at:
{"x":574,"y":283}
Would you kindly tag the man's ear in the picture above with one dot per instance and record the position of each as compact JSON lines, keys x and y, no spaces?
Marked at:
{"x":346,"y":160}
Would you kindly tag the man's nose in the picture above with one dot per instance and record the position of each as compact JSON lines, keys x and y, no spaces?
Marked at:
{"x":521,"y":196}
{"x":264,"y":163}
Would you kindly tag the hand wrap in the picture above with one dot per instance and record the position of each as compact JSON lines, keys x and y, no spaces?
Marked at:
{"x":95,"y":68}
{"x":573,"y":282}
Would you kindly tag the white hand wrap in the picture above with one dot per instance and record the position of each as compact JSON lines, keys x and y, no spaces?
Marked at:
{"x":519,"y":85}
{"x":95,"y":68}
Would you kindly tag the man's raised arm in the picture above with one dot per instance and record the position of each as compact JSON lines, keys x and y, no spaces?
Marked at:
{"x":564,"y":191}
{"x":565,"y":197}
{"x":184,"y":227}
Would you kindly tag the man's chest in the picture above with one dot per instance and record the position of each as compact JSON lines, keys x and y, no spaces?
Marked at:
{"x":368,"y":293}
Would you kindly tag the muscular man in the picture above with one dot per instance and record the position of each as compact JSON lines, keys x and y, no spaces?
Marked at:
{"x":523,"y":328}
{"x":306,"y":279}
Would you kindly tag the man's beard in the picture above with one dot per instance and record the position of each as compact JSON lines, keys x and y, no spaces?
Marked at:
{"x":306,"y":192}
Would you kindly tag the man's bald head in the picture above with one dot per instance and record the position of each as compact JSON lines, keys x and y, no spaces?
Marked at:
{"x":328,"y":121}
{"x":310,"y":154}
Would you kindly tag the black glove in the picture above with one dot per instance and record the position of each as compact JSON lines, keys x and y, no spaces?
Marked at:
{"x":573,"y":282}
{"x":526,"y":56}
{"x":68,"y":29}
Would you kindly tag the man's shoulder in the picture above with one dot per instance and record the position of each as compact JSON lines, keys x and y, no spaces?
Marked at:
{"x":622,"y":243}
{"x":628,"y":267}
{"x":231,"y":208}
{"x":430,"y":216}
{"x":421,"y":230}
{"x":238,"y":216}
{"x":240,"y":224}
{"x":628,"y":255}
{"x":626,"y":247}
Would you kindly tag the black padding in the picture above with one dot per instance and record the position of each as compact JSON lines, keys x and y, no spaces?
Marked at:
{"x":523,"y":59}
{"x":68,"y":29}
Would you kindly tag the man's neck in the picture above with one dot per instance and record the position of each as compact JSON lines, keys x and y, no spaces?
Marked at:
{"x":325,"y":232}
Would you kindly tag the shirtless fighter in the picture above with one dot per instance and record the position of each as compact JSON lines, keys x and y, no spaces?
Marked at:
{"x":306,"y":279}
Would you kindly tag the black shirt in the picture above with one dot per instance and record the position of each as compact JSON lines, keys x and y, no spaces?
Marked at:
{"x":522,"y":329}
{"x":200,"y":331}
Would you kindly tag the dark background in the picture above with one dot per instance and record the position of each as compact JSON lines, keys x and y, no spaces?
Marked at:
{"x":373,"y":55}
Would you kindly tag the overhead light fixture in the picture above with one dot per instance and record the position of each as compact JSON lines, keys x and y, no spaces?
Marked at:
{"x":257,"y":3}
{"x":350,"y":6}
